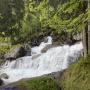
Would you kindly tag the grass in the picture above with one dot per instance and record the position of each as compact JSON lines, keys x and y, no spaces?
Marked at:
{"x":40,"y":83}
{"x":77,"y":77}
{"x":45,"y":83}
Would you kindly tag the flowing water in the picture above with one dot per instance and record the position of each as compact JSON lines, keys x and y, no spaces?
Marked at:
{"x":55,"y":59}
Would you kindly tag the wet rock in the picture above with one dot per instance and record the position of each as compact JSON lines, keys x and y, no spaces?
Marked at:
{"x":36,"y":56}
{"x":15,"y":53}
{"x":78,"y":36}
{"x":1,"y":82}
{"x":57,"y":75}
{"x":4,"y":75}
{"x":45,"y":39}
{"x":27,"y":49}
{"x":47,"y":47}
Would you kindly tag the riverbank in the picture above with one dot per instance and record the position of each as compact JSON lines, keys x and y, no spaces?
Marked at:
{"x":76,"y":77}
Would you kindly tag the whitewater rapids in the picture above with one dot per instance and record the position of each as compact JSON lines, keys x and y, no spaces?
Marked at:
{"x":55,"y":59}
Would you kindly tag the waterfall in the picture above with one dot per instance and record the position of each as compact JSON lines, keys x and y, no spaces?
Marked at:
{"x":55,"y":59}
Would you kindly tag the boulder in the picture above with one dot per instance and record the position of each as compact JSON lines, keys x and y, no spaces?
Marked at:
{"x":78,"y":36}
{"x":47,"y":47}
{"x":4,"y":75}
{"x":36,"y":56}
{"x":45,"y":39}
{"x":15,"y":53}
{"x":1,"y":82}
{"x":57,"y":75}
{"x":27,"y":49}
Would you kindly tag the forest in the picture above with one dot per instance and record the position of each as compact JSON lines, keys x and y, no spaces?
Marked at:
{"x":23,"y":20}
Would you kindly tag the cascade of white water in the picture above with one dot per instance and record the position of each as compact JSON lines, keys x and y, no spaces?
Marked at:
{"x":37,"y":50}
{"x":55,"y":59}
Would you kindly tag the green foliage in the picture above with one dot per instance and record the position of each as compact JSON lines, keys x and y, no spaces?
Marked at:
{"x":36,"y":18}
{"x":69,"y":17}
{"x":4,"y":40}
{"x":77,"y":77}
{"x":30,"y":22}
{"x":59,"y":16}
{"x":12,"y":14}
{"x":23,"y":20}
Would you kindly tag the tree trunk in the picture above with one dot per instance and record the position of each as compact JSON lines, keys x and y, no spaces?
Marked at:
{"x":89,"y":30}
{"x":85,"y":41}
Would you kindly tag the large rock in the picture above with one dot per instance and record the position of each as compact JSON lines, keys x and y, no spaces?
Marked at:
{"x":36,"y":56}
{"x":47,"y":47}
{"x":27,"y":49}
{"x":1,"y":82}
{"x":4,"y":75}
{"x":15,"y":53}
{"x":78,"y":36}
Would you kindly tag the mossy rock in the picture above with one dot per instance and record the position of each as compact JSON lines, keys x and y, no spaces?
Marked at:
{"x":15,"y":52}
{"x":2,"y":62}
{"x":6,"y":48}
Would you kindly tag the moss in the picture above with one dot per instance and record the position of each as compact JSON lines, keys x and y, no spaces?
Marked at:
{"x":77,"y":77}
